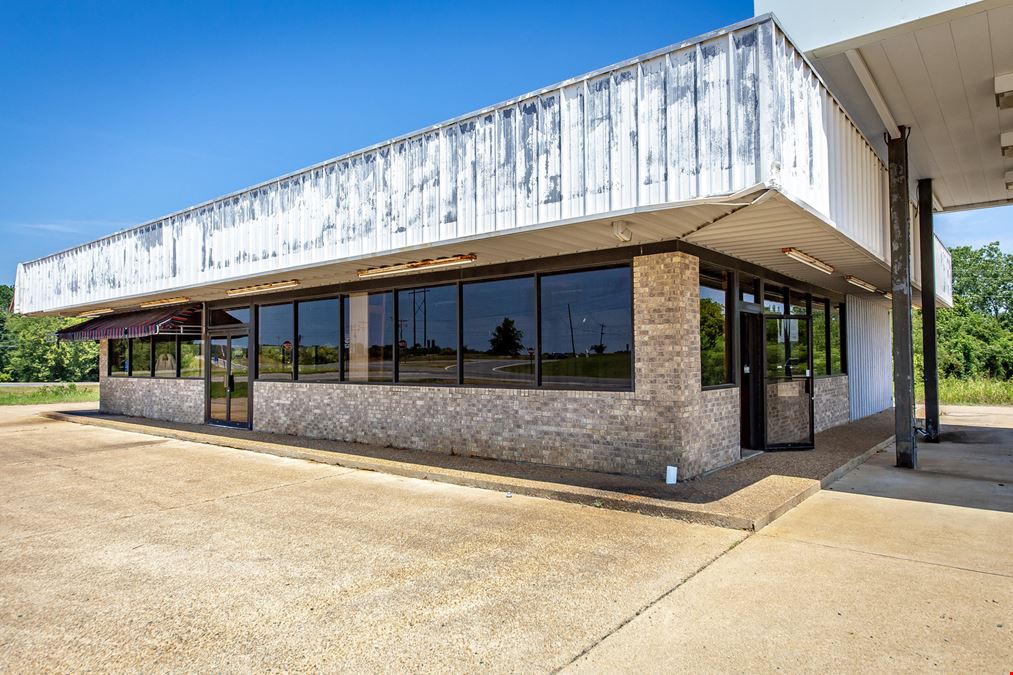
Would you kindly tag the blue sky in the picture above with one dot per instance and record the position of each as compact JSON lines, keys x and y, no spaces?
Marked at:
{"x":115,"y":113}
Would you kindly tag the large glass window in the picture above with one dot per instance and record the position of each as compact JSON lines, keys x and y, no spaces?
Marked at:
{"x":118,"y":366}
{"x":369,"y":337}
{"x":836,"y":340}
{"x":229,"y":317}
{"x":427,"y":335}
{"x":140,"y":357}
{"x":586,"y":330}
{"x":820,"y":363}
{"x":499,"y":332}
{"x":274,"y":342}
{"x":165,"y":356}
{"x":319,"y":339}
{"x":773,"y":300}
{"x":714,"y":339}
{"x":190,"y":362}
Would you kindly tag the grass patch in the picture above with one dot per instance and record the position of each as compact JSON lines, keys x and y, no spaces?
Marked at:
{"x":596,"y":365}
{"x":970,"y":392}
{"x":60,"y":393}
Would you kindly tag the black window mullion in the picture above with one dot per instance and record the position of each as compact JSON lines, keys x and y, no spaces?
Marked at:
{"x":295,"y":341}
{"x":341,"y":338}
{"x":130,"y":357}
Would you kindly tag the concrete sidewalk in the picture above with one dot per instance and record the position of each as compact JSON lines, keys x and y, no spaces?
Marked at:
{"x":889,"y":570}
{"x":745,"y":496}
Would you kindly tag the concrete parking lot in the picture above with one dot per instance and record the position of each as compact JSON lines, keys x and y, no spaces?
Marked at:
{"x":126,"y":551}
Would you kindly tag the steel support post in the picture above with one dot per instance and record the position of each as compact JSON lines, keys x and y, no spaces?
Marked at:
{"x":900,"y":278}
{"x":928,"y":257}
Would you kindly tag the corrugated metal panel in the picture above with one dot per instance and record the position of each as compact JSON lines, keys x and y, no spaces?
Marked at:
{"x":869,"y":356}
{"x":675,"y":125}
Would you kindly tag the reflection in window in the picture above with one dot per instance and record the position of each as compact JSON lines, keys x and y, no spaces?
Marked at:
{"x":787,"y":348}
{"x":190,"y":362}
{"x":165,"y":356}
{"x":714,"y":342}
{"x":836,"y":342}
{"x":798,"y":304}
{"x":118,"y":358}
{"x":499,"y":332}
{"x":229,"y":317}
{"x":773,"y":301}
{"x":319,"y":339}
{"x":820,"y":363}
{"x":586,"y":331}
{"x":369,"y":337}
{"x":274,"y":342}
{"x":140,"y":357}
{"x":427,"y":335}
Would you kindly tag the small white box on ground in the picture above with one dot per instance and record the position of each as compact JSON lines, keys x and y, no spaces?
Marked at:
{"x":671,"y":475}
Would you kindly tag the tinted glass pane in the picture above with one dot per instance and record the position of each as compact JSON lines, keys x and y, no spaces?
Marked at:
{"x":240,"y":371}
{"x":820,"y":337}
{"x":747,"y":289}
{"x":835,"y":340}
{"x":229,"y":317}
{"x":586,"y":330}
{"x":427,"y":335}
{"x":798,"y":305}
{"x":140,"y":365}
{"x":319,"y":339}
{"x":773,"y":301}
{"x":369,"y":337}
{"x":274,"y":343}
{"x":118,"y":358}
{"x":714,"y":342}
{"x":190,"y":362}
{"x":165,"y":357}
{"x":499,"y":332}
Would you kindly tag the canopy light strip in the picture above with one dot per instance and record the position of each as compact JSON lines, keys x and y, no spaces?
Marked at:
{"x":855,"y":281}
{"x":888,"y":295}
{"x":165,"y":301}
{"x":807,"y":259}
{"x":260,"y":288}
{"x":96,"y":312}
{"x":418,"y":265}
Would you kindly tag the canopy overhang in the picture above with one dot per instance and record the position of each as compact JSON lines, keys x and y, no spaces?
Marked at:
{"x":180,"y":320}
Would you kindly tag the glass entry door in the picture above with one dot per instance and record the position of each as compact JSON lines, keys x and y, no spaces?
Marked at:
{"x":788,"y":383}
{"x":229,"y":379}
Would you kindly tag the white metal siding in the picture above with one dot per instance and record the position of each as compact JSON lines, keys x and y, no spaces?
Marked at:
{"x":701,"y":119}
{"x":869,"y":356}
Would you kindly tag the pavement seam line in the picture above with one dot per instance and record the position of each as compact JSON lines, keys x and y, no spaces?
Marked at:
{"x":884,"y":555}
{"x":622,"y":624}
{"x":177,"y":507}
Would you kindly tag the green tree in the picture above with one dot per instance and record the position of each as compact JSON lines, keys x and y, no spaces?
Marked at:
{"x":983,"y":280}
{"x":506,"y":339}
{"x":33,"y":355}
{"x":6,"y":294}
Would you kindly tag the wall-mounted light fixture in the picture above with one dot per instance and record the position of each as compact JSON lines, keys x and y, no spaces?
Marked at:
{"x":1006,"y":141}
{"x":95,"y":312}
{"x":855,"y":281}
{"x":620,"y":231}
{"x":888,"y":295}
{"x":807,"y":259}
{"x":1004,"y":90}
{"x":417,"y":266}
{"x":262,"y":288}
{"x":165,"y":301}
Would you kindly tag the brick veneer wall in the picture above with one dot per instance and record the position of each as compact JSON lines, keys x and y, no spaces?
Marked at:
{"x":176,"y":400}
{"x":667,"y":420}
{"x":832,"y":405}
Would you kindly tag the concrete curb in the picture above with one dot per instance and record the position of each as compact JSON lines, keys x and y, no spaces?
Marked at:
{"x":592,"y":497}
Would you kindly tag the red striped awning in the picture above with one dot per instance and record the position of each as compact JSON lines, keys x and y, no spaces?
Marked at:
{"x":180,"y":320}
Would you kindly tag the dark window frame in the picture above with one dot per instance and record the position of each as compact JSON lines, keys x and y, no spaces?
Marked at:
{"x":731,"y":378}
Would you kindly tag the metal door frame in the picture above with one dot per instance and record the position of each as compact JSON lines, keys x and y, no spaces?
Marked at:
{"x":228,"y":335}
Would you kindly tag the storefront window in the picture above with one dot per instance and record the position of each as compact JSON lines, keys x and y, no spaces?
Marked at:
{"x":587,"y":329}
{"x":190,"y":362}
{"x":714,"y":339}
{"x":140,"y":357}
{"x":836,"y":341}
{"x":427,"y":335}
{"x":499,"y":332}
{"x":369,"y":337}
{"x":118,"y":366}
{"x":274,"y":342}
{"x":773,"y":300}
{"x":319,"y":339}
{"x":229,"y":317}
{"x":165,"y":356}
{"x":820,"y":362}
